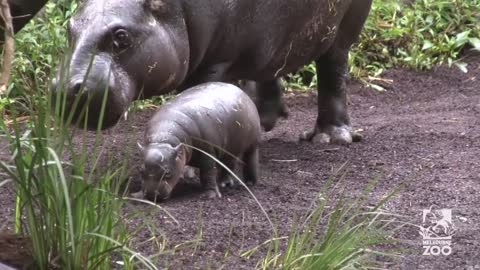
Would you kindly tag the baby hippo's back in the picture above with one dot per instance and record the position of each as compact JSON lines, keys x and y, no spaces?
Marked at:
{"x":218,"y":113}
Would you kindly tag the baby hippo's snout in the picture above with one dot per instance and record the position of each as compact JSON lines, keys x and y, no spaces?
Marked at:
{"x":163,"y":168}
{"x":157,"y":191}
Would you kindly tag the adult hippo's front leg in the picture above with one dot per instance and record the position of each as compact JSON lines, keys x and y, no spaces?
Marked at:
{"x":333,"y":121}
{"x":267,"y":96}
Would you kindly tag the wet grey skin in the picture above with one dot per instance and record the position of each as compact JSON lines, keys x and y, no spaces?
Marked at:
{"x":218,"y":118}
{"x":145,"y":48}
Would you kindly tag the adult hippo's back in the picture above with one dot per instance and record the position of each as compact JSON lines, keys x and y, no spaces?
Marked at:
{"x":152,"y":47}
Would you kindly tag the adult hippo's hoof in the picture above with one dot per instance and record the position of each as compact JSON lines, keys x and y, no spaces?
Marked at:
{"x":342,"y":135}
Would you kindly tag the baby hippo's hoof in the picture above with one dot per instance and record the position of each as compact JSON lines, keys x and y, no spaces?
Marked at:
{"x":137,"y":195}
{"x":250,"y":183}
{"x":189,"y":172}
{"x":227,"y":182}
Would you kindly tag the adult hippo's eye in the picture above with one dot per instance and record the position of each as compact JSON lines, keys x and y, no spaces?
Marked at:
{"x":121,"y":39}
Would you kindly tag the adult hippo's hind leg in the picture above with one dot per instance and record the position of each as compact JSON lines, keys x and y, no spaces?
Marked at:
{"x":267,"y":96}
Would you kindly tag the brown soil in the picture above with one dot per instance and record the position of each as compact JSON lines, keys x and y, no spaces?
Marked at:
{"x":424,"y":130}
{"x":14,"y":250}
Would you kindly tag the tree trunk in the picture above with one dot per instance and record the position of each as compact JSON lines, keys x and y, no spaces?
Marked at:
{"x":9,"y":46}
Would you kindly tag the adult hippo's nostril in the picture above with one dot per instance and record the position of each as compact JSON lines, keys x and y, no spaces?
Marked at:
{"x":75,"y":87}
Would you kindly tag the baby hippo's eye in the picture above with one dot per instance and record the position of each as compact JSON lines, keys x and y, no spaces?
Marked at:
{"x":121,"y":39}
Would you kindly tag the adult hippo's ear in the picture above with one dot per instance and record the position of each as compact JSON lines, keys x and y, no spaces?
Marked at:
{"x":156,"y":6}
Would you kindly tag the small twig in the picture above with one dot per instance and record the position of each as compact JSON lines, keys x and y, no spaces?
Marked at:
{"x":9,"y":46}
{"x":329,"y":150}
{"x":388,"y":81}
{"x":285,"y":61}
{"x":284,"y":160}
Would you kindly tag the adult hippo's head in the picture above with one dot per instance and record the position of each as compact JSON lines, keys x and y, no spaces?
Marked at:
{"x":133,"y":48}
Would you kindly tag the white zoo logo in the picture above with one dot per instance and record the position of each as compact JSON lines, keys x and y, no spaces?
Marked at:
{"x":437,"y":230}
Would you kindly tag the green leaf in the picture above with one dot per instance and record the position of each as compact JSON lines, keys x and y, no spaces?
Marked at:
{"x":462,"y":66}
{"x":475,"y":42}
{"x":462,"y":38}
{"x":427,"y":44}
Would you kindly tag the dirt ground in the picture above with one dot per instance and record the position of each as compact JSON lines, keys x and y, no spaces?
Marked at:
{"x":423,"y":130}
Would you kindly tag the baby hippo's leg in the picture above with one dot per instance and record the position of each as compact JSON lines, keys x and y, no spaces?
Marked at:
{"x":208,"y":178}
{"x":250,"y":168}
{"x":224,"y":177}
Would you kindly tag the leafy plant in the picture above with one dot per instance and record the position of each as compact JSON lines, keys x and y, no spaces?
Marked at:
{"x":419,"y":35}
{"x":37,"y":50}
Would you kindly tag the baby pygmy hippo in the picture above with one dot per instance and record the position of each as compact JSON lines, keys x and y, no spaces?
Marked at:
{"x":218,"y":118}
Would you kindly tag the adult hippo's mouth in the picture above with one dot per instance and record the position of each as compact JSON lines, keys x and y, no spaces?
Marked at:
{"x":92,"y":111}
{"x":98,"y":100}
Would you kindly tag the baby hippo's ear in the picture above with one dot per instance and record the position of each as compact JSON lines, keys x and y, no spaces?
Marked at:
{"x":140,"y":147}
{"x":181,"y":153}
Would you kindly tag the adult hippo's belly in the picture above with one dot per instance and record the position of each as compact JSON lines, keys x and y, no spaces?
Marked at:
{"x":144,"y":48}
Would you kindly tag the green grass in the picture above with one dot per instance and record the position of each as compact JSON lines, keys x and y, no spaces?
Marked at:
{"x":336,"y":233}
{"x":68,"y":207}
{"x":351,"y":237}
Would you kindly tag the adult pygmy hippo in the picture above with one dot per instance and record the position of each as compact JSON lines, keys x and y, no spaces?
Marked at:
{"x":150,"y":47}
{"x":217,"y":118}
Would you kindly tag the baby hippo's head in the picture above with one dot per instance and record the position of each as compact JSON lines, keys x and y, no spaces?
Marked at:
{"x":163,"y":168}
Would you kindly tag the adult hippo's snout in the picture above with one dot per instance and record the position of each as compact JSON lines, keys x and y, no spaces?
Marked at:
{"x":88,"y":84}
